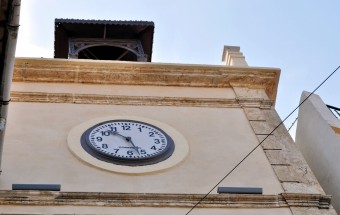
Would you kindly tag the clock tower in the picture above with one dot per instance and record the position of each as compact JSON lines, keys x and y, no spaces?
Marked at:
{"x":102,"y":130}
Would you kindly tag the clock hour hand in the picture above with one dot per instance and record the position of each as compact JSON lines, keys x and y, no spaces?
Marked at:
{"x":118,"y":134}
{"x":128,"y":139}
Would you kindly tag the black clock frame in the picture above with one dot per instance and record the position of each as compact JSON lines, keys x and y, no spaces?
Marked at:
{"x":89,"y":148}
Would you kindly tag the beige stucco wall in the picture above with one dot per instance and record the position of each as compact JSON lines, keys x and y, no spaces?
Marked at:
{"x":320,"y":144}
{"x":222,"y":112}
{"x":36,"y":150}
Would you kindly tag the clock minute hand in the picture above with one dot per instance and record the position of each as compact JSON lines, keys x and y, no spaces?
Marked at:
{"x":130,"y":140}
{"x":127,"y":139}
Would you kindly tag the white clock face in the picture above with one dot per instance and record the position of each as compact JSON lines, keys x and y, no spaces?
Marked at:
{"x":128,"y":142}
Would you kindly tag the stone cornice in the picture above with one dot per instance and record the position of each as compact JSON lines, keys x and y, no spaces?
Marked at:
{"x":133,"y":73}
{"x":163,"y":200}
{"x":44,"y":97}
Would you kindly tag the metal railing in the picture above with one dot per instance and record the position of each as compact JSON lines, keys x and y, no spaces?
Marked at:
{"x":334,"y":110}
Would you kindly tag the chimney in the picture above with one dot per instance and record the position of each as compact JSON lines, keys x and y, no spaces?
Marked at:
{"x":233,"y":57}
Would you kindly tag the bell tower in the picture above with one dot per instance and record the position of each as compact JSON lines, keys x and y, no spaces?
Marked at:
{"x":103,"y":40}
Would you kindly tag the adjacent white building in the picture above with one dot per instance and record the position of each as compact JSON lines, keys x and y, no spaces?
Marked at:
{"x":318,"y":137}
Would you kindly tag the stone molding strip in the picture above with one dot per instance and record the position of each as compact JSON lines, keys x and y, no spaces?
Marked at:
{"x":44,"y":97}
{"x":137,"y":73}
{"x":42,"y":198}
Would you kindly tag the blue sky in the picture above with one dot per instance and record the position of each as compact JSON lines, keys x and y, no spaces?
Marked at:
{"x":302,"y":38}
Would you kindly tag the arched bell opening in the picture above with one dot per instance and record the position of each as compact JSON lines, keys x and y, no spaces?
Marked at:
{"x":107,"y":53}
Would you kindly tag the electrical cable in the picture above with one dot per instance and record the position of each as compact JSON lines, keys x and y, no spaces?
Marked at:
{"x":293,"y":124}
{"x":238,"y":164}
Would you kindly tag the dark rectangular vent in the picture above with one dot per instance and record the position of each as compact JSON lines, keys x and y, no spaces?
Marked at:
{"x":240,"y":190}
{"x":47,"y":187}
